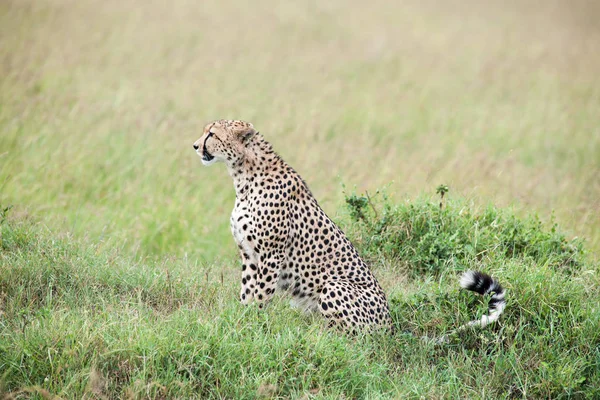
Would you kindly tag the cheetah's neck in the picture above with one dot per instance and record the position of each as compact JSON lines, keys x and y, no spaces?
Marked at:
{"x":257,"y":162}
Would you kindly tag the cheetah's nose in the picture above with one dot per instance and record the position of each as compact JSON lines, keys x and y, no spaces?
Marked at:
{"x":195,"y":146}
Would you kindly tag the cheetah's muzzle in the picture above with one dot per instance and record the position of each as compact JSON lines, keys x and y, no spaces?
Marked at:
{"x":206,"y":156}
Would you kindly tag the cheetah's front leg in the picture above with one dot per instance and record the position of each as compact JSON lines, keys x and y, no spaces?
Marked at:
{"x":262,"y":247}
{"x":259,"y":279}
{"x":249,"y":275}
{"x":269,"y":268}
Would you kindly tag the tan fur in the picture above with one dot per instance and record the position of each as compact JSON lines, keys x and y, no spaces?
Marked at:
{"x":286,"y":241}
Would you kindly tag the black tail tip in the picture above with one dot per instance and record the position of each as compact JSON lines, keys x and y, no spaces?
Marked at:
{"x":479,"y":282}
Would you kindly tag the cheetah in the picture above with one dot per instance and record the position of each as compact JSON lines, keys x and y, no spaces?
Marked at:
{"x":288,"y":243}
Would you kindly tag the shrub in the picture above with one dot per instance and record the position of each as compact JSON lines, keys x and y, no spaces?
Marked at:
{"x":434,"y":237}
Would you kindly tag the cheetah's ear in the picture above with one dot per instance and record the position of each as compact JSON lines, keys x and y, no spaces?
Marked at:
{"x":246,"y":134}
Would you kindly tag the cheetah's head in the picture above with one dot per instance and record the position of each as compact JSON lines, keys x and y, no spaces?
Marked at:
{"x":224,"y":140}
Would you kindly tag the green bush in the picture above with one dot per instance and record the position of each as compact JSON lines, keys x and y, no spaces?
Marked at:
{"x":432,"y":237}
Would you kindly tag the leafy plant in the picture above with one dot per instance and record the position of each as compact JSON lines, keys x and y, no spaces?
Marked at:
{"x":431,"y":238}
{"x":442,"y":190}
{"x":4,"y":213}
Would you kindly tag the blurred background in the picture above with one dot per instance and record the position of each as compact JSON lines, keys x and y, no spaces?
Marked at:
{"x":100,"y":102}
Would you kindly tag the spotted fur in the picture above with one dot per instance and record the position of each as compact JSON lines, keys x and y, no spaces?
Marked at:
{"x":285,"y":239}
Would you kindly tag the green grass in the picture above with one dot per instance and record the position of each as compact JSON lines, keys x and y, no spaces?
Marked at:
{"x":429,"y":237}
{"x":80,"y":320}
{"x":97,"y":118}
{"x":118,"y":274}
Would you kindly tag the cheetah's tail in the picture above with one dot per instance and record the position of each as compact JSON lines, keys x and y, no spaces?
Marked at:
{"x":482,"y":284}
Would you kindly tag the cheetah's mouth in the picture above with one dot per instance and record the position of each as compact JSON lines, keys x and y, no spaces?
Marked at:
{"x":206,"y":156}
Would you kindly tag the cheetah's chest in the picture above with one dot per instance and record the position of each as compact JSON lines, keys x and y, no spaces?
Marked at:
{"x":241,"y":225}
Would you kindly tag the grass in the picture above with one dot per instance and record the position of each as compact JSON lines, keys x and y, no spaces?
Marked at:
{"x":431,"y":238}
{"x":80,"y":320}
{"x":118,"y":268}
{"x":502,"y":103}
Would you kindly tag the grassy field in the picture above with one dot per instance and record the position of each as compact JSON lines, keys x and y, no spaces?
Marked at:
{"x":118,"y":268}
{"x":81,"y":321}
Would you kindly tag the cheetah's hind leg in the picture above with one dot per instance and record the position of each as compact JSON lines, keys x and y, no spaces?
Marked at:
{"x":350,"y":307}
